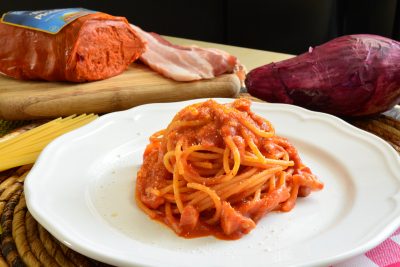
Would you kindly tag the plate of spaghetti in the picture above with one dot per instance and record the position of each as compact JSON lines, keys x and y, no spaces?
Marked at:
{"x":217,"y":182}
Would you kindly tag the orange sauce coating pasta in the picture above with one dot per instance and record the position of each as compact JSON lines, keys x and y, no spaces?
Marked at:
{"x":217,"y":169}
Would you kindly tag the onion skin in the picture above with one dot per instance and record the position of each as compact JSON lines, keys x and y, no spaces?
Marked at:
{"x":353,"y":75}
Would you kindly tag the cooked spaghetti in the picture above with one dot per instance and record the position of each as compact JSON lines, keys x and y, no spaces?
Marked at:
{"x":217,"y":169}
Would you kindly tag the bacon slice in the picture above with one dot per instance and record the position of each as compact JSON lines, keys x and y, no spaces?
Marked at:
{"x":233,"y":222}
{"x":189,"y":218}
{"x":186,"y":63}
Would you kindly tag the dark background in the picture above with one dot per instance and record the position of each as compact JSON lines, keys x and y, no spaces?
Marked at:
{"x":289,"y":26}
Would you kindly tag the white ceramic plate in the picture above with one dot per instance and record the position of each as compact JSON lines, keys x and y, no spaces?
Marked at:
{"x":82,"y":191}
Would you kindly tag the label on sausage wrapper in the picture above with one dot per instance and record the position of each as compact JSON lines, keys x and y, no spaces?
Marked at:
{"x":50,"y":21}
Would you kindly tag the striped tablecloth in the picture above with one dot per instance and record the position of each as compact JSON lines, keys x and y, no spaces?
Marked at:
{"x":384,"y":255}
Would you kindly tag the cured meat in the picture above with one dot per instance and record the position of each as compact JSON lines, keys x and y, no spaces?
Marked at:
{"x":92,"y":47}
{"x":188,"y":63}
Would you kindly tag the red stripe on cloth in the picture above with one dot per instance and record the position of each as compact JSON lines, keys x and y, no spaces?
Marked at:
{"x":396,"y":232}
{"x":387,"y":253}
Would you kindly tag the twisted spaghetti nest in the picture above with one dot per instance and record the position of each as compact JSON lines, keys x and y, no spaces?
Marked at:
{"x":217,"y":169}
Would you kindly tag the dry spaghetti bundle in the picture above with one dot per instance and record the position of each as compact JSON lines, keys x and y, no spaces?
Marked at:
{"x":217,"y":169}
{"x":24,"y":145}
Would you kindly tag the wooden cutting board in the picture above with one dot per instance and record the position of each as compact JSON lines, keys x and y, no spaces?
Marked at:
{"x":138,"y":85}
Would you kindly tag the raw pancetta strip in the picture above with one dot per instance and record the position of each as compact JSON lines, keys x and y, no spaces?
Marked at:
{"x":186,"y":63}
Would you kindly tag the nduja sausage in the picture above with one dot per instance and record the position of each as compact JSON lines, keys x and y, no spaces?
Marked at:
{"x":93,"y":47}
